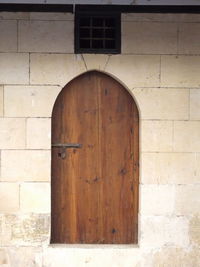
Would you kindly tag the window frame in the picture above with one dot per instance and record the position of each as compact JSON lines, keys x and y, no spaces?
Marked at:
{"x":103,"y":14}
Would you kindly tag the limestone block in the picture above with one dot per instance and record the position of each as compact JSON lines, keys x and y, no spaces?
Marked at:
{"x":14,"y":68}
{"x":51,"y":16}
{"x":26,"y":229}
{"x":157,"y":199}
{"x":161,"y":104}
{"x":38,"y":133}
{"x":176,"y":257}
{"x":95,"y":62}
{"x":3,"y":257}
{"x":135,"y":70}
{"x":160,"y":17}
{"x":156,"y":136}
{"x":169,"y":168}
{"x":8,"y":33}
{"x":12,"y":133}
{"x":180,"y":71}
{"x":14,"y":15}
{"x":194,"y":230}
{"x":97,"y":256}
{"x":149,"y":38}
{"x":1,"y":101}
{"x":30,"y":101}
{"x":186,"y":136}
{"x":46,"y":36}
{"x":35,"y":197}
{"x":9,"y":197}
{"x":25,"y":256}
{"x":189,"y":38}
{"x":194,"y":104}
{"x":187,"y":200}
{"x":55,"y":68}
{"x":158,"y":231}
{"x":25,"y":165}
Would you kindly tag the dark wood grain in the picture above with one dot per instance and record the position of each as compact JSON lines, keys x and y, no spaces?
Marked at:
{"x":95,"y":188}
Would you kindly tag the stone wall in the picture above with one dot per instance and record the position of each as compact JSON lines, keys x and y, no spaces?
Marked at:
{"x":160,"y":66}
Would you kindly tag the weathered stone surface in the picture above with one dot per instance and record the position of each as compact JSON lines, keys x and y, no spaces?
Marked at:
{"x":38,"y":133}
{"x":46,"y":36}
{"x":160,"y":17}
{"x":186,"y":136}
{"x":189,"y":38}
{"x":30,"y":101}
{"x":149,"y":38}
{"x":157,"y":136}
{"x":180,"y":71}
{"x":194,"y":104}
{"x":9,"y":197}
{"x":158,"y":231}
{"x":14,"y":15}
{"x":194,"y":230}
{"x":169,"y":168}
{"x":187,"y":200}
{"x":25,"y":257}
{"x":135,"y":70}
{"x":8,"y":33}
{"x":95,"y":62}
{"x":56,"y":69}
{"x":26,"y":229}
{"x":35,"y":197}
{"x":91,"y":257}
{"x":157,"y":199}
{"x":161,"y":103}
{"x":14,"y":68}
{"x":12,"y":133}
{"x":176,"y":257}
{"x":25,"y":165}
{"x":51,"y":16}
{"x":1,"y":101}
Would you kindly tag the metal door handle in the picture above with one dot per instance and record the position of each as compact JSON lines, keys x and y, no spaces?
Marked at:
{"x":64,"y":146}
{"x":67,"y":145}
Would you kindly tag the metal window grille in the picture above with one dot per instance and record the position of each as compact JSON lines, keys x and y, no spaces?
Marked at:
{"x":98,"y":33}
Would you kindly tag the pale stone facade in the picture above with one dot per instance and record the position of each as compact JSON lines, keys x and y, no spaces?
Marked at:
{"x":160,"y":66}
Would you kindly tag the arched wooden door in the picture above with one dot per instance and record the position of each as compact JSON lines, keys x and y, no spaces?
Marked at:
{"x":94,"y":163}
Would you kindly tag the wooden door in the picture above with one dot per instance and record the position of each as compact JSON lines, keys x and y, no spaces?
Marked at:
{"x":94,"y":187}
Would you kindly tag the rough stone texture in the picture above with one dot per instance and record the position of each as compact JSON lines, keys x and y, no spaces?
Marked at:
{"x":9,"y":197}
{"x":51,"y":16}
{"x":95,"y":62}
{"x":25,"y":165}
{"x":194,"y":104}
{"x":30,"y":101}
{"x":156,"y":136}
{"x":180,"y":71}
{"x":141,"y":71}
{"x":194,"y":230}
{"x":17,"y":64}
{"x":25,"y":229}
{"x":189,"y":38}
{"x":12,"y":133}
{"x":169,"y":168}
{"x":157,"y":199}
{"x":8,"y":33}
{"x":186,"y":136}
{"x":1,"y":100}
{"x":35,"y":197}
{"x":149,"y":38}
{"x":161,"y":104}
{"x":46,"y":36}
{"x":56,"y":69}
{"x":158,"y":231}
{"x":38,"y":133}
{"x":187,"y":201}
